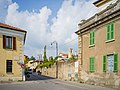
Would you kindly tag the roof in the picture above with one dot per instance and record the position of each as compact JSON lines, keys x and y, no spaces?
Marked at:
{"x":63,"y":54}
{"x":2,"y":25}
{"x":11,"y":27}
{"x":100,"y":2}
{"x":110,"y":12}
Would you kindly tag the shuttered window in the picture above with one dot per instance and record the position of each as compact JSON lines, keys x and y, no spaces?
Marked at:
{"x":4,"y":41}
{"x":14,"y":43}
{"x":104,"y":63}
{"x":92,"y":38}
{"x":9,"y":42}
{"x":110,"y":31}
{"x":115,"y":62}
{"x":92,"y":66}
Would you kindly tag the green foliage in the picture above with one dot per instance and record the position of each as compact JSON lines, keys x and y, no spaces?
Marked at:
{"x":27,"y":60}
{"x":32,"y":58}
{"x":57,"y":57}
{"x":45,"y":57}
{"x":28,"y":75}
{"x":51,"y":58}
{"x":72,"y":58}
{"x":46,"y":64}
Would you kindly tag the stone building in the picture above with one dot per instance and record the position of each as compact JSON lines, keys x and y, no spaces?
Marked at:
{"x":12,"y":41}
{"x":98,"y":45}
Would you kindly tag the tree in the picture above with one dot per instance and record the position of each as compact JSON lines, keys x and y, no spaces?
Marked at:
{"x":27,"y":59}
{"x":45,"y":57}
{"x":32,"y":58}
{"x":51,"y":58}
{"x":72,"y":58}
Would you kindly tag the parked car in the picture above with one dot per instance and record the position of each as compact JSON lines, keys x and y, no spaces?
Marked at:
{"x":29,"y":71}
{"x":39,"y":72}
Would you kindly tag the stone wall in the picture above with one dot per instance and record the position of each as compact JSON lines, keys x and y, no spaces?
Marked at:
{"x":66,"y":71}
{"x":105,"y":79}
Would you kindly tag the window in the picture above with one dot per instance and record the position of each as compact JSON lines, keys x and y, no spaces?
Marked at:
{"x":110,"y":31}
{"x":9,"y":42}
{"x":9,"y":66}
{"x":110,"y":62}
{"x":92,"y":38}
{"x":110,"y":59}
{"x":92,"y":60}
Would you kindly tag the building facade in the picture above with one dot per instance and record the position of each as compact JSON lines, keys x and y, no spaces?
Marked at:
{"x":12,"y":40}
{"x":98,"y":45}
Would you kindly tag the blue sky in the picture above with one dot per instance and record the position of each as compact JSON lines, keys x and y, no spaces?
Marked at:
{"x":47,"y":21}
{"x":35,"y":5}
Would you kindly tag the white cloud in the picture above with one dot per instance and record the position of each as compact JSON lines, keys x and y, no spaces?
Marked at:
{"x":62,"y":28}
{"x":3,"y":9}
{"x":35,"y":23}
{"x":68,"y":17}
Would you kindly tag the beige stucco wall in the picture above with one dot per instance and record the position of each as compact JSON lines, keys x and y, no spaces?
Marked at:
{"x":7,"y":54}
{"x":101,"y":47}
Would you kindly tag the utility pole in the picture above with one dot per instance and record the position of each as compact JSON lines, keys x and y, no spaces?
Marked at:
{"x":56,"y":56}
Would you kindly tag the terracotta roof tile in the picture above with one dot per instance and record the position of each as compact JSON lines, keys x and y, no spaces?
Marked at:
{"x":11,"y":27}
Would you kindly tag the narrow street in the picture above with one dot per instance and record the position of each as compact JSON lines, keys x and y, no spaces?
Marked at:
{"x":36,"y":82}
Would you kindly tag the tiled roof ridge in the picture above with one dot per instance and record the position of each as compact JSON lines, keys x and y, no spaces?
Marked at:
{"x":11,"y":27}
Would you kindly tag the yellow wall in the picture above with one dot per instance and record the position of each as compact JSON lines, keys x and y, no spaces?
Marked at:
{"x":7,"y":54}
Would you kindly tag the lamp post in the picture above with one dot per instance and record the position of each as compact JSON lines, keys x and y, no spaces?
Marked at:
{"x":56,"y":56}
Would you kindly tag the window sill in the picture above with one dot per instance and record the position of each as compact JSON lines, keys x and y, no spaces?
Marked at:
{"x":110,"y":40}
{"x":92,"y":71}
{"x":9,"y":49}
{"x":9,"y":73}
{"x":92,"y":46}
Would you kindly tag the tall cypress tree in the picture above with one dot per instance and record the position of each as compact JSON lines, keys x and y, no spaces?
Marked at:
{"x":45,"y":57}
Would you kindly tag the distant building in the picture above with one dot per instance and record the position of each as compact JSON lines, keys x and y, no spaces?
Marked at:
{"x":98,"y":47}
{"x":70,"y":52}
{"x":12,"y":42}
{"x":63,"y":55}
{"x":32,"y":64}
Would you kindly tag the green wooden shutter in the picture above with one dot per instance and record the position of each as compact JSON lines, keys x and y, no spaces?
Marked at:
{"x":115,"y":62}
{"x":104,"y":63}
{"x":91,"y":66}
{"x":93,"y":38}
{"x":108,"y":32}
{"x":112,"y":31}
{"x":90,"y":38}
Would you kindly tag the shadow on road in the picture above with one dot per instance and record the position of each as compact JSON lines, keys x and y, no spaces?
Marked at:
{"x":35,"y":77}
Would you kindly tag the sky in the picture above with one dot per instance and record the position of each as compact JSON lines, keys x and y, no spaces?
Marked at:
{"x":46,"y":21}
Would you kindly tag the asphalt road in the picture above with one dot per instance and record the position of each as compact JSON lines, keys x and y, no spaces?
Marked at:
{"x":47,"y":83}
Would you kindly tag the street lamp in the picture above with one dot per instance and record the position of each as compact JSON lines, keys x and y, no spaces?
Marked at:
{"x":56,"y":56}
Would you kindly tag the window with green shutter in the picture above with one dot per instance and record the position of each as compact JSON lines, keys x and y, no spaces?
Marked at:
{"x":92,"y":38}
{"x":115,"y":62}
{"x":104,"y":63}
{"x":92,"y":67}
{"x":110,"y":31}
